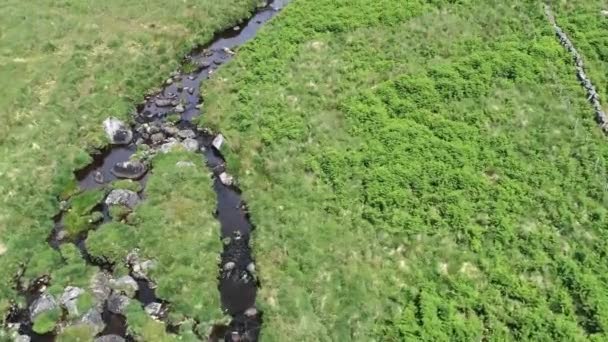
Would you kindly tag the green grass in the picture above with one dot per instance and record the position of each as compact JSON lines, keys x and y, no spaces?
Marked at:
{"x":65,"y":66}
{"x":420,"y":170}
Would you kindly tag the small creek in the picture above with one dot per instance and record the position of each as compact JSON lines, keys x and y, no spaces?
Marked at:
{"x":180,"y":94}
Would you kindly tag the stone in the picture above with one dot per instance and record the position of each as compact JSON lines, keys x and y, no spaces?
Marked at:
{"x":229,"y":266}
{"x":251,"y":312}
{"x":109,"y":338}
{"x":124,"y":197}
{"x":604,"y":13}
{"x":168,"y":146}
{"x":154,"y":309}
{"x":117,"y":303}
{"x":157,"y":138}
{"x":251,"y":268}
{"x":186,"y":134}
{"x":162,"y":102}
{"x":226,"y":179}
{"x":170,"y":129}
{"x":96,"y":216}
{"x":190,"y":145}
{"x":180,"y":108}
{"x":132,"y":169}
{"x":94,"y":320}
{"x":125,"y":284}
{"x":46,"y":302}
{"x":98,"y":177}
{"x":199,"y":106}
{"x":100,"y":287}
{"x":218,"y":141}
{"x":68,"y":299}
{"x":117,"y":131}
{"x":228,"y":51}
{"x":140,"y":269}
{"x":2,"y":248}
{"x":183,"y":163}
{"x":190,"y":90}
{"x":22,"y":338}
{"x":169,"y":81}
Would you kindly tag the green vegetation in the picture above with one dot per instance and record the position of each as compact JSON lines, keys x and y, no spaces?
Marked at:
{"x":79,"y":218}
{"x":586,"y":26}
{"x":427,"y":170}
{"x":175,"y":227}
{"x":65,"y":66}
{"x":46,"y":321}
{"x":126,"y":184}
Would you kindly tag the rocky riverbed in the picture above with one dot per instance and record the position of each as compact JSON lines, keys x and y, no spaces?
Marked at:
{"x":113,"y":186}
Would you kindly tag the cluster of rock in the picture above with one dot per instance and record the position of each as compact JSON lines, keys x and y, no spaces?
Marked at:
{"x":236,"y":260}
{"x":592,"y":94}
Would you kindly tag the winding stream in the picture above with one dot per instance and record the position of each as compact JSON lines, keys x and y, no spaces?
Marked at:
{"x":180,"y":94}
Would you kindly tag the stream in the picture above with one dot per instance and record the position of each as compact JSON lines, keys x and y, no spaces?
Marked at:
{"x":180,"y":94}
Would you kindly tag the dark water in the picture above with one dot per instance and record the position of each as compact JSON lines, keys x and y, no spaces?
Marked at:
{"x":181,"y":95}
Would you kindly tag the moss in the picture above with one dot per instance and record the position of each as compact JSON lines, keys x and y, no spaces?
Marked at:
{"x":78,"y":218}
{"x":46,"y":321}
{"x":112,"y":241}
{"x":126,"y":184}
{"x":144,"y":327}
{"x":174,"y":117}
{"x":119,"y":212}
{"x":85,"y":302}
{"x":76,"y":333}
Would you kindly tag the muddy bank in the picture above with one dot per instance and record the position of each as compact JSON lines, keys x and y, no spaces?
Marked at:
{"x":161,"y":122}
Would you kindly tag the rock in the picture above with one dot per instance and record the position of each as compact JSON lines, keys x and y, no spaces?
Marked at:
{"x":183,"y":163}
{"x":251,"y":268}
{"x":251,"y":312}
{"x":22,"y":338}
{"x":604,"y":12}
{"x":168,"y":146}
{"x":218,"y":141}
{"x":96,"y":217}
{"x":94,"y":320}
{"x":190,"y":91}
{"x":124,"y":197}
{"x":204,"y":64}
{"x":69,"y":300}
{"x":169,"y":81}
{"x":186,"y":134}
{"x":109,"y":338}
{"x":190,"y":145}
{"x":229,"y":266}
{"x":162,"y":102}
{"x":170,"y":129}
{"x":100,"y":287}
{"x":98,"y":177}
{"x":125,"y":284}
{"x":180,"y":108}
{"x":141,"y":269}
{"x":154,"y":309}
{"x":132,"y":169}
{"x":157,"y":138}
{"x":117,"y":303}
{"x":117,"y":131}
{"x":42,"y":304}
{"x":3,"y":248}
{"x":228,"y":51}
{"x":226,"y":179}
{"x":199,"y":106}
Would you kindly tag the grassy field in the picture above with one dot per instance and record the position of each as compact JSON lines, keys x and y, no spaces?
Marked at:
{"x":421,"y":170}
{"x":64,"y":67}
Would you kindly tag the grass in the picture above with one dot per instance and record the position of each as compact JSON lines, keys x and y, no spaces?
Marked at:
{"x":424,"y":170}
{"x":65,"y":66}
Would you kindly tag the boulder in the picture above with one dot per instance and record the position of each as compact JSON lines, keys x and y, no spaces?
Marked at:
{"x":94,"y":320}
{"x":168,"y":146}
{"x":117,"y":303}
{"x":132,"y":169}
{"x":218,"y":141}
{"x":124,"y":197}
{"x":180,"y":108}
{"x":69,"y":298}
{"x":155,"y":310}
{"x":186,"y":134}
{"x":109,"y":338}
{"x":100,"y":287}
{"x":157,"y":138}
{"x":162,"y":102}
{"x":191,"y":145}
{"x":226,"y":179}
{"x":44,"y":303}
{"x":169,"y":129}
{"x":125,"y":284}
{"x":117,"y":131}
